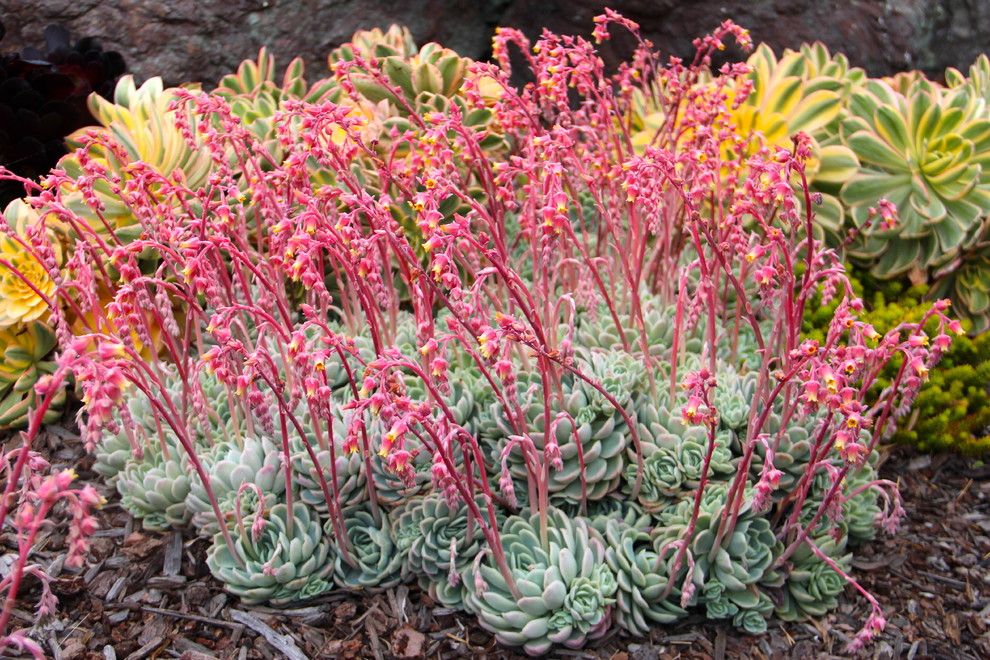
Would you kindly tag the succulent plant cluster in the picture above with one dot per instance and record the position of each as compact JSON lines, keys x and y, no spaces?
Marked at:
{"x":395,"y":326}
{"x":606,"y":553}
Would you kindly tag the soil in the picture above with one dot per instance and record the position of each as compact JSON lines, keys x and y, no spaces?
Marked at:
{"x":147,"y":595}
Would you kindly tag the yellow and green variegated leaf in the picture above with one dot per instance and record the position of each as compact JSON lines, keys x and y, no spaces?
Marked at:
{"x":830,"y":214}
{"x":427,"y":79}
{"x":874,"y":151}
{"x":928,"y":206}
{"x":899,"y":258}
{"x":954,"y":181}
{"x":950,"y":121}
{"x":815,"y":111}
{"x":869,"y":186}
{"x":891,"y":127}
{"x":837,"y":164}
{"x":784,"y":97}
{"x":400,"y":74}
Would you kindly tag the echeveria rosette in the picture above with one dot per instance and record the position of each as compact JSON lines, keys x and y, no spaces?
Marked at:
{"x":641,"y":575}
{"x":812,"y":587}
{"x":459,"y":398}
{"x":674,"y":456}
{"x":598,"y":330}
{"x":567,"y":590}
{"x":615,"y":507}
{"x":392,"y":488}
{"x":929,"y":154}
{"x":349,"y":466}
{"x":793,"y":449}
{"x":441,"y":530}
{"x":727,"y":575}
{"x":217,"y":401}
{"x":255,"y":461}
{"x":601,"y":430}
{"x":155,"y":488}
{"x":733,"y":397}
{"x":374,"y":560}
{"x":284,"y":564}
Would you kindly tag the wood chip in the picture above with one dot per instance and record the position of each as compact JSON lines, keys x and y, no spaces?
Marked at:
{"x":173,"y":555}
{"x":116,"y":590}
{"x":145,"y":650}
{"x":282,"y":643}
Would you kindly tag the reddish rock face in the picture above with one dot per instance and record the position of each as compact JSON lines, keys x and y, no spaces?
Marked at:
{"x":203,"y":39}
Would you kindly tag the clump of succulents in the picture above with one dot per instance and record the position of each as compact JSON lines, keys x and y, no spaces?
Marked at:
{"x":279,"y":556}
{"x":559,"y":591}
{"x":389,"y":365}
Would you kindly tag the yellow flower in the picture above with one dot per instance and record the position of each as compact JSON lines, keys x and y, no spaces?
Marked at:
{"x":19,"y":302}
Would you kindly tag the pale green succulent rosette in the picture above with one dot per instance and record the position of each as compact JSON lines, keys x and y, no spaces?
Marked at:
{"x":567,"y":590}
{"x":285,"y":564}
{"x":391,"y":488}
{"x":812,"y":587}
{"x":155,"y":487}
{"x":793,"y":449}
{"x":112,"y":454}
{"x":459,"y":399}
{"x":349,"y":466}
{"x":405,"y":526}
{"x":733,"y":397}
{"x":255,"y":461}
{"x":727,"y":576}
{"x":441,"y":545}
{"x":673,"y":456}
{"x":114,"y":450}
{"x":613,"y":508}
{"x":641,"y":575}
{"x":602,"y":433}
{"x":374,"y":560}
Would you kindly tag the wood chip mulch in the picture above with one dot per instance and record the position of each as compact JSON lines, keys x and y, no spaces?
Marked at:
{"x":145,"y":595}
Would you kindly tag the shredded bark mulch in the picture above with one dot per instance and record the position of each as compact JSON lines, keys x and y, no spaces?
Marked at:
{"x":145,"y":595}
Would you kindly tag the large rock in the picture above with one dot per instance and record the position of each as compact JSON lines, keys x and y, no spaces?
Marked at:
{"x":203,"y":39}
